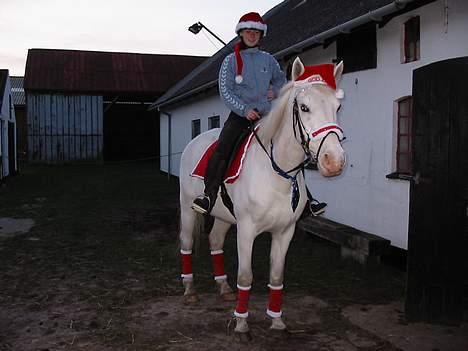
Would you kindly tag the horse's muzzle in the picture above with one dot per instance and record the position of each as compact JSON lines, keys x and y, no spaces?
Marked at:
{"x":331,"y":164}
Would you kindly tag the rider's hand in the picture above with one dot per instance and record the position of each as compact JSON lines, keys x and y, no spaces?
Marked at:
{"x":270,"y":94}
{"x":252,"y":115}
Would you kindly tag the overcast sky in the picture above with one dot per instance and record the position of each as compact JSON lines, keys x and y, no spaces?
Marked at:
{"x":144,"y":26}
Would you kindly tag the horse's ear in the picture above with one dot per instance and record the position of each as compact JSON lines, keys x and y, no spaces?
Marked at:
{"x":338,"y":72}
{"x":297,"y":69}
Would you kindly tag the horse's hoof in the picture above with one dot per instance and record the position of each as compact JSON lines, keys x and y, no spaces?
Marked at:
{"x":229,"y":297}
{"x":243,"y":337}
{"x":191,"y":299}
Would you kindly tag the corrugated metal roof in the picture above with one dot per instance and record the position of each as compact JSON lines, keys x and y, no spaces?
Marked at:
{"x":17,"y":91}
{"x":76,"y":71}
{"x":3,"y":80}
{"x":289,"y":23}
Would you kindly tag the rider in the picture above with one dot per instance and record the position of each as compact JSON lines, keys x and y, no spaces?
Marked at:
{"x":249,"y":79}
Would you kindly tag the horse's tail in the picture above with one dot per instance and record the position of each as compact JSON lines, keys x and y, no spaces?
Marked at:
{"x":198,"y":228}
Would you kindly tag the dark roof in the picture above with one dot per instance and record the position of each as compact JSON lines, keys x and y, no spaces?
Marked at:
{"x":293,"y":26}
{"x":17,"y":91}
{"x":3,"y":80}
{"x":77,"y":71}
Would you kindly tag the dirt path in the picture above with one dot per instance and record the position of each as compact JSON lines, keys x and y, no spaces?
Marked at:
{"x":99,"y":270}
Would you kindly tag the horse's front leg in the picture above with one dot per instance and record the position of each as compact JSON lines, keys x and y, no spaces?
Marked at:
{"x":245,"y":239}
{"x":279,"y":247}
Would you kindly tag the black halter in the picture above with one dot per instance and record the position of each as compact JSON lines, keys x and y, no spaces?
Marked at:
{"x":298,"y":128}
{"x":305,"y":137}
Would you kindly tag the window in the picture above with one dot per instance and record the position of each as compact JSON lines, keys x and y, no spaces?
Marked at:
{"x":213,"y":122}
{"x":195,"y":127}
{"x":403,"y":140}
{"x":358,"y":49}
{"x":411,"y":40}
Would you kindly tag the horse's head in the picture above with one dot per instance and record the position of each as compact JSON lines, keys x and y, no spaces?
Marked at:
{"x":316,"y":103}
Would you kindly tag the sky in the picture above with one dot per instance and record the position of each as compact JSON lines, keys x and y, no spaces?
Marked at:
{"x":142,"y":26}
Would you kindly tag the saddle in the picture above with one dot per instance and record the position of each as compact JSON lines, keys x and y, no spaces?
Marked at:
{"x":236,"y":159}
{"x":234,"y":167}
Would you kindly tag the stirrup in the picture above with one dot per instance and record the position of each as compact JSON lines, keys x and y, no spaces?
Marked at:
{"x":202,"y":204}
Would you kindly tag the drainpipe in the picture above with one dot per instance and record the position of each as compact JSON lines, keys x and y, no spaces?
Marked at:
{"x":346,"y":27}
{"x":169,"y":141}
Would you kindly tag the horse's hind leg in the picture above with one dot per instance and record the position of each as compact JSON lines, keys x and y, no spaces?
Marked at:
{"x":217,"y":237}
{"x":188,"y":219}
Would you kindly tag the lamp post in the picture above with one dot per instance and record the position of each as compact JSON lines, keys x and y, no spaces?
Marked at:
{"x":197,"y":27}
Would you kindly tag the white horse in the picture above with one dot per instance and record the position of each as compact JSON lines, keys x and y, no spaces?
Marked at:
{"x":302,"y":122}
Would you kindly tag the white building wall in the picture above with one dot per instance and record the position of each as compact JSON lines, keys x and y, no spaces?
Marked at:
{"x":362,"y":196}
{"x":181,"y":126}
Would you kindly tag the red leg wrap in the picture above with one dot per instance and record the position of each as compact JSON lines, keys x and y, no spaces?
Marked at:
{"x":242,"y":301}
{"x":186,"y":264}
{"x":274,"y":302}
{"x":218,"y":265}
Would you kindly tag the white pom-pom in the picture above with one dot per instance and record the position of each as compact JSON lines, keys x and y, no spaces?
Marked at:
{"x":239,"y":79}
{"x":339,"y":93}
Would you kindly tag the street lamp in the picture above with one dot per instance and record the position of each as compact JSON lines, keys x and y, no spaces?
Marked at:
{"x":197,"y":27}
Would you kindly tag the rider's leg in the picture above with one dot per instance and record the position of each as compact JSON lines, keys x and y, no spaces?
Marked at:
{"x":233,"y":128}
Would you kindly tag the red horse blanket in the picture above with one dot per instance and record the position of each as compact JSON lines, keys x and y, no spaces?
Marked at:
{"x":234,"y":168}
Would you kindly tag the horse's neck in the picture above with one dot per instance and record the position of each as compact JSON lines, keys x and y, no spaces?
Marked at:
{"x":287,"y":152}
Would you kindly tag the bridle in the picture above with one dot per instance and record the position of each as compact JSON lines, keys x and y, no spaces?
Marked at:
{"x":321,"y":133}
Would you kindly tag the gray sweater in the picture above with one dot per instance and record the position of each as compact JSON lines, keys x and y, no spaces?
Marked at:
{"x":260,"y":71}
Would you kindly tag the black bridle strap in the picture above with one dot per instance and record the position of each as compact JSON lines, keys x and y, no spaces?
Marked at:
{"x":297,"y":121}
{"x":275,"y":166}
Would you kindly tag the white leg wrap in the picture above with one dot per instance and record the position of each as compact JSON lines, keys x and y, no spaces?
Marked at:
{"x":274,"y":314}
{"x":241,"y":315}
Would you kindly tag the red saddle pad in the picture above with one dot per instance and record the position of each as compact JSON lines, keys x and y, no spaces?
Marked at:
{"x":234,"y":168}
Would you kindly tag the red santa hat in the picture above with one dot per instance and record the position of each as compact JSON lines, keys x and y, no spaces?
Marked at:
{"x":251,"y":20}
{"x":321,"y":74}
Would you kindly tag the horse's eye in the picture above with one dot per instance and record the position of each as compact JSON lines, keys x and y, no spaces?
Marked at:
{"x":304,"y":108}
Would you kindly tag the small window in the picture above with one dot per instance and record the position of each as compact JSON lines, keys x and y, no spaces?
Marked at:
{"x":404,"y":142}
{"x":358,"y":49}
{"x":213,"y":122}
{"x":195,"y":127}
{"x":411,"y":40}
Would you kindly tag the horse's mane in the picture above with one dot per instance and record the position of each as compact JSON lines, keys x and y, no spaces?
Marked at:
{"x":270,"y":123}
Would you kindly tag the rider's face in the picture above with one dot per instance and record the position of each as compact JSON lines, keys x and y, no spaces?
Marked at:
{"x":251,"y":37}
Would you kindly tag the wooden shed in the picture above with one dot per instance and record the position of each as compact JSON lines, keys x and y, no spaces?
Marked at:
{"x":8,"y":159}
{"x":92,"y":106}
{"x":19,"y":103}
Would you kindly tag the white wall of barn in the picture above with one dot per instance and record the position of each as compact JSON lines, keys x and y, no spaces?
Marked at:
{"x":181,"y":125}
{"x":362,"y":196}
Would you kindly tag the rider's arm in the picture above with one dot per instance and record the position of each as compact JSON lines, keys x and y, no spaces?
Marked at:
{"x":226,"y":85}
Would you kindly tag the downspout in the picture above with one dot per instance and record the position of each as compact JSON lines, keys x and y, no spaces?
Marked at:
{"x":345,"y":27}
{"x":169,"y":141}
